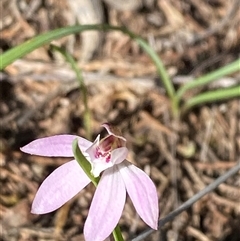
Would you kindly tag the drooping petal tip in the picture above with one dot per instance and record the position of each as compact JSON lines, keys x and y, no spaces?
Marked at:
{"x":106,"y":207}
{"x":142,"y":192}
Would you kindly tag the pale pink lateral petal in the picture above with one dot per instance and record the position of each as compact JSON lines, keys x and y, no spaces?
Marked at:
{"x":59,"y":187}
{"x":59,"y":145}
{"x":142,"y":192}
{"x":118,"y":155}
{"x":107,"y":206}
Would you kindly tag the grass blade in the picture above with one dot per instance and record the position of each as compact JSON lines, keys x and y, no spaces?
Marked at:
{"x":206,"y":79}
{"x":212,"y":96}
{"x":32,"y":44}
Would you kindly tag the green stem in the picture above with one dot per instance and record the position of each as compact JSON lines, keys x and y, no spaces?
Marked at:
{"x":175,"y":108}
{"x":117,"y":234}
{"x":86,"y":166}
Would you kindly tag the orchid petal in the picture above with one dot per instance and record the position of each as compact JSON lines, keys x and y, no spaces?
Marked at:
{"x":107,"y":206}
{"x":59,"y":145}
{"x":119,"y":155}
{"x":59,"y":187}
{"x":99,"y":166}
{"x":92,"y":149}
{"x":142,"y":192}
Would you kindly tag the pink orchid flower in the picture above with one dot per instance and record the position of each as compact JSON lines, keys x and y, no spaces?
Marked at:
{"x":118,"y":176}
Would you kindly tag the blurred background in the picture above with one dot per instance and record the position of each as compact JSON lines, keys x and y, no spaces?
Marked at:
{"x":40,"y":97}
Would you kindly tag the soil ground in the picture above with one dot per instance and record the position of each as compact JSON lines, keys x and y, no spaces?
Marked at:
{"x":40,"y":97}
